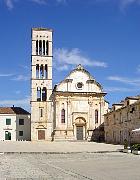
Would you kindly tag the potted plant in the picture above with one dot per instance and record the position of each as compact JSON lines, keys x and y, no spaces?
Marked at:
{"x":126,"y":149}
{"x":136,"y":149}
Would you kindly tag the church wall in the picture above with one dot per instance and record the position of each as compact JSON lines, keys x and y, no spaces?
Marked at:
{"x":77,"y":107}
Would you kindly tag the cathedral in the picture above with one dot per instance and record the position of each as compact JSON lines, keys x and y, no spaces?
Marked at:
{"x":74,"y":109}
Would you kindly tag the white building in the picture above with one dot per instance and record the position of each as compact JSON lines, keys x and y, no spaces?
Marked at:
{"x":41,"y":84}
{"x":79,"y":107}
{"x":76,"y":107}
{"x":15,"y":124}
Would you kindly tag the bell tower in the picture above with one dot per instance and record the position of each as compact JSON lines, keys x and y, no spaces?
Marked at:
{"x":41,"y":84}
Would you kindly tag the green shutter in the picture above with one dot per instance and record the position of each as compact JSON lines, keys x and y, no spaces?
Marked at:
{"x":8,"y":121}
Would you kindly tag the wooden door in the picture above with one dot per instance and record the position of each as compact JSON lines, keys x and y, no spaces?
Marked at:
{"x":79,"y":132}
{"x":41,"y":134}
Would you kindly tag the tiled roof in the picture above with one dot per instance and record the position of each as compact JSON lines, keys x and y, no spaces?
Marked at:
{"x":13,"y":110}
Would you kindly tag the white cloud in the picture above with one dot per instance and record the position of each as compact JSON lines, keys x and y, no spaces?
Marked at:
{"x":25,"y":67}
{"x":17,"y":92}
{"x":6,"y":75}
{"x":129,"y":2}
{"x":24,"y":103}
{"x":135,"y":82}
{"x":61,"y":1}
{"x":10,"y":3}
{"x":21,"y":78}
{"x":123,"y":3}
{"x":64,"y":58}
{"x":119,"y":89}
{"x":63,"y":67}
{"x":138,"y":69}
{"x":39,"y":1}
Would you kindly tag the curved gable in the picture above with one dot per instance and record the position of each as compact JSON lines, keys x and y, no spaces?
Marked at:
{"x":79,"y":80}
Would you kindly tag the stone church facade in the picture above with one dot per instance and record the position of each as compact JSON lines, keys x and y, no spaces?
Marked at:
{"x":74,"y":109}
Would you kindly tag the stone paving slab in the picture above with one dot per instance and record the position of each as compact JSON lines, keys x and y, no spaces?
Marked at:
{"x":83,"y":166}
{"x":56,"y":147}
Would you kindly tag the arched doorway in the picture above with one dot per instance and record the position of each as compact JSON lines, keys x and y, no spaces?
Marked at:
{"x":7,"y":135}
{"x":80,"y":124}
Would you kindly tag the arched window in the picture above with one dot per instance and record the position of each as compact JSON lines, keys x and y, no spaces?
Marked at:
{"x":96,"y":116}
{"x":46,"y":71}
{"x":38,"y":94}
{"x":41,"y":71}
{"x":44,"y":94}
{"x":43,"y":47}
{"x":40,"y":47}
{"x":63,"y":116}
{"x":37,"y":47}
{"x":47,"y":47}
{"x":37,"y":71}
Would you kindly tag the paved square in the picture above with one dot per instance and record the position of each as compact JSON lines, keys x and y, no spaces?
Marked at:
{"x":92,"y":166}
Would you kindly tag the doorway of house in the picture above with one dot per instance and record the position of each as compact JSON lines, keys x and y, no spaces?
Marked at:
{"x":79,"y":132}
{"x":7,"y":135}
{"x":41,"y":134}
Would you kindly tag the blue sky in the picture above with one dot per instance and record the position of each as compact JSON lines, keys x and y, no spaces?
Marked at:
{"x":103,"y":35}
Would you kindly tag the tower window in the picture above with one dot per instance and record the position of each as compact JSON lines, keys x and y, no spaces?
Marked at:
{"x":63,"y":116}
{"x":41,"y":72}
{"x":41,"y":112}
{"x":38,"y":94}
{"x":46,"y":71}
{"x":37,"y":47}
{"x":44,"y":94}
{"x":40,"y":47}
{"x":37,"y":71}
{"x":47,"y":48}
{"x":96,"y":116}
{"x":43,"y":47}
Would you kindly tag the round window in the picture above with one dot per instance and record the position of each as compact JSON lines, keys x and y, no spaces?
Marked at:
{"x":79,"y":85}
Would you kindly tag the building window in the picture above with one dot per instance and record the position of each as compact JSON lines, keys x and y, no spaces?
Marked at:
{"x":128,"y":103}
{"x":96,"y":116}
{"x":21,"y":121}
{"x":43,"y":47}
{"x":41,"y":112}
{"x":41,"y":72}
{"x":44,"y":94}
{"x":8,"y":121}
{"x":40,"y":47}
{"x":38,"y":94}
{"x":37,"y":47}
{"x":37,"y":71}
{"x":7,"y":135}
{"x":46,"y":71}
{"x":20,"y":133}
{"x":132,"y":110}
{"x":47,"y":48}
{"x":79,"y":85}
{"x":63,"y":116}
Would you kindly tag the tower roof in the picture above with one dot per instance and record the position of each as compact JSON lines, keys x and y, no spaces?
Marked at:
{"x":13,"y":110}
{"x":42,"y":29}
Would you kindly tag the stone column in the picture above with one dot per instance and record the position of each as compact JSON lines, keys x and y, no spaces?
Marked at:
{"x":90,"y":127}
{"x":68,"y":113}
{"x":45,"y":48}
{"x":90,"y":102}
{"x":41,"y":47}
{"x":38,"y":47}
